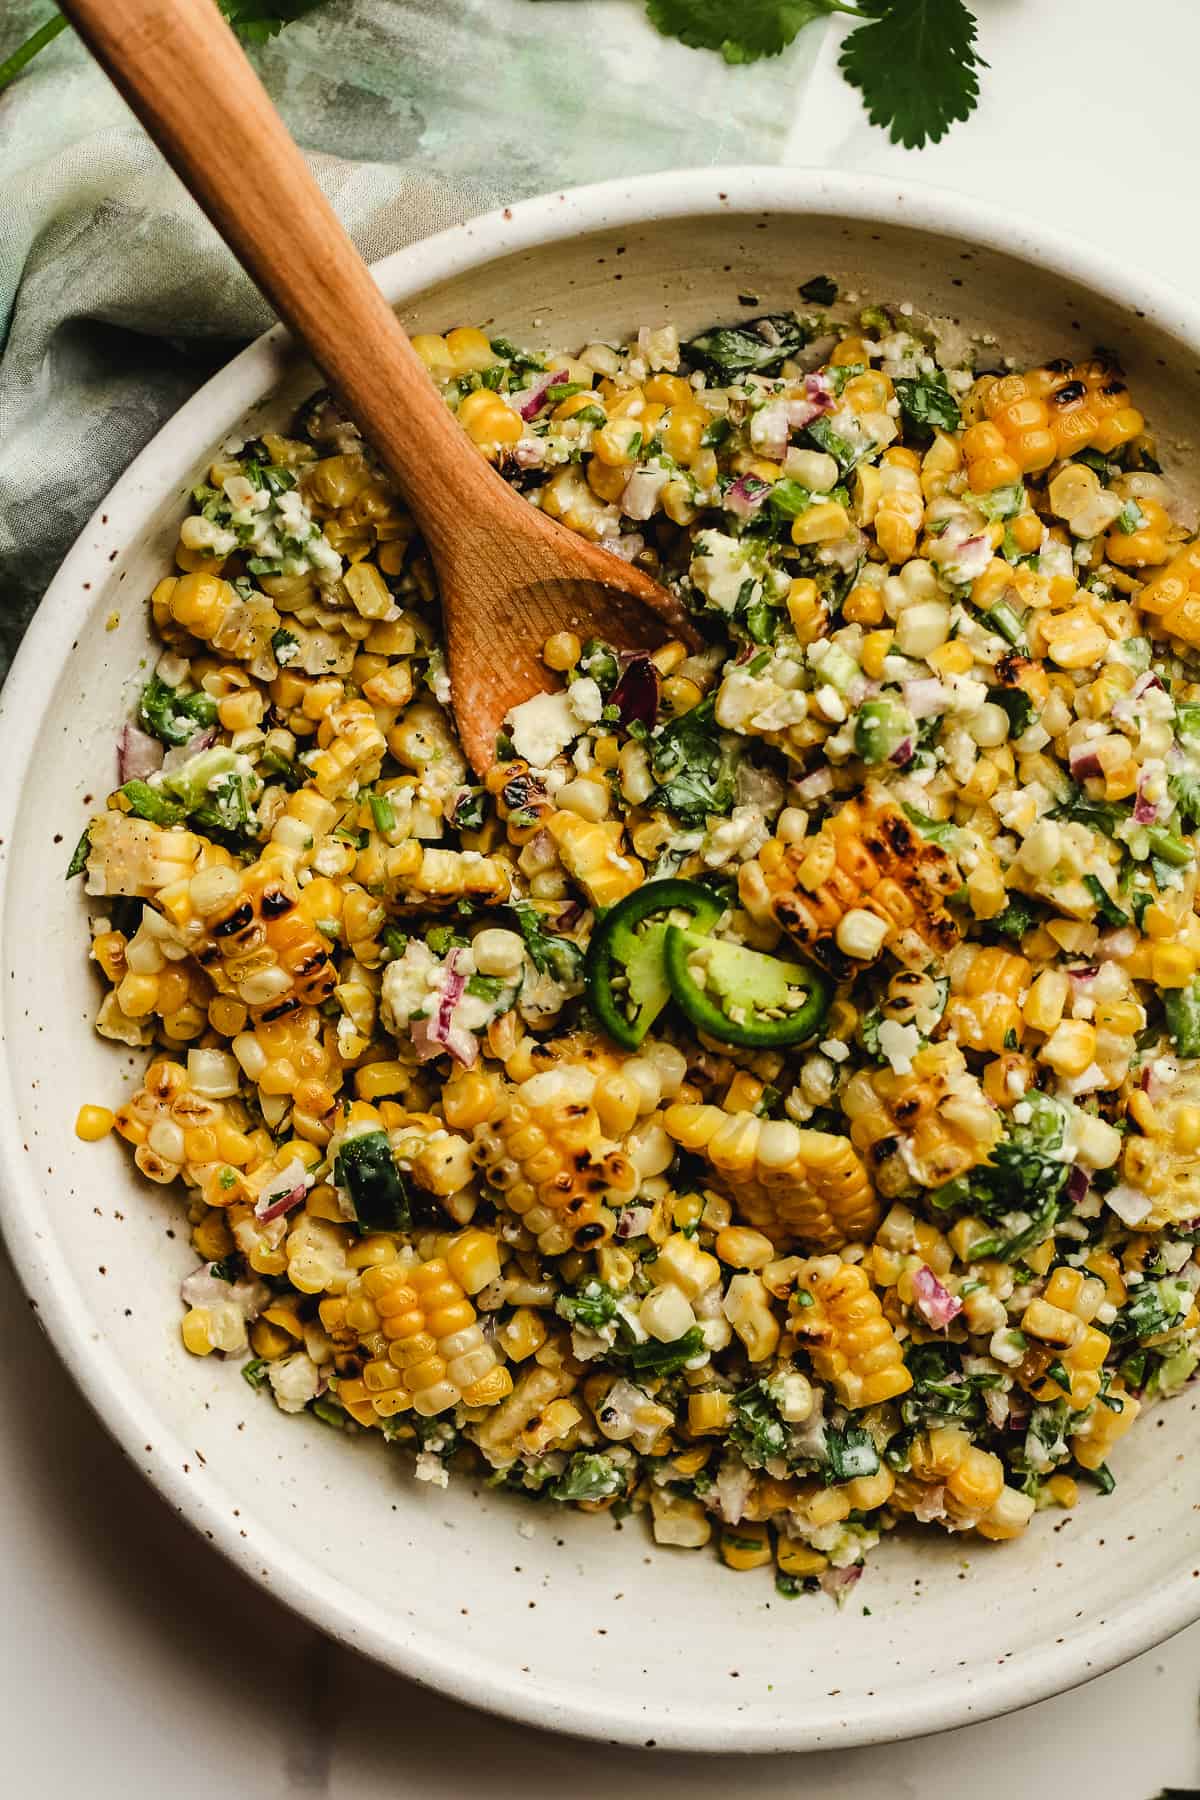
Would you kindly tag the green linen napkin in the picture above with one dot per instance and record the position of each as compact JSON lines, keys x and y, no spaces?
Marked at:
{"x":116,"y":297}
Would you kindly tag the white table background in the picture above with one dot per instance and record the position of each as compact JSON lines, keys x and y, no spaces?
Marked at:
{"x":134,"y":1663}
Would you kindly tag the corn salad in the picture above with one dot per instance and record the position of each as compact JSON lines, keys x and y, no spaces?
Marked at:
{"x":769,"y":1098}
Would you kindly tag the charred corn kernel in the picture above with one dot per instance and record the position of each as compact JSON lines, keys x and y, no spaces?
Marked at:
{"x":594,"y":855}
{"x":851,"y":1344}
{"x":542,"y":1145}
{"x":792,"y":1185}
{"x":867,"y":858}
{"x":926,"y":1127}
{"x":93,"y":1123}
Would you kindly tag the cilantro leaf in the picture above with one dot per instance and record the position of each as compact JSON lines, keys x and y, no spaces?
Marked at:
{"x":741,"y":32}
{"x":728,"y":351}
{"x":694,"y":768}
{"x":927,"y":400}
{"x":914,"y":65}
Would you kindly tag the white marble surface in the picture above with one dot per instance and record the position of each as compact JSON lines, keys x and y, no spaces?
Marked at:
{"x":134,"y":1663}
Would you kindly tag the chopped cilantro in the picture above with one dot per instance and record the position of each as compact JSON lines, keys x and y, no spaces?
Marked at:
{"x":926,"y":401}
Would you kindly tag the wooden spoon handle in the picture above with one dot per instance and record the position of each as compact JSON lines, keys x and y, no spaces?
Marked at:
{"x":182,"y":71}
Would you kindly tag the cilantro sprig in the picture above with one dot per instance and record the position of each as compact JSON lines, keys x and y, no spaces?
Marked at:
{"x":913,"y":61}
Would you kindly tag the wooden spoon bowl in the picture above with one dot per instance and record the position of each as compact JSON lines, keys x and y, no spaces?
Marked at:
{"x":509,"y":576}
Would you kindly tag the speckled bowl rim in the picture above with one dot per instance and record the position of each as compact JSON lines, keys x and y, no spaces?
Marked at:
{"x":969,"y":1695}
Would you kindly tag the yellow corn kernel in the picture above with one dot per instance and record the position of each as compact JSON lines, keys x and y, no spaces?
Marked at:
{"x":709,"y":1412}
{"x":806,"y":609}
{"x":745,"y":1546}
{"x":822,"y":523}
{"x":851,"y":1344}
{"x":380,"y":1079}
{"x":1070,"y":1048}
{"x":93,"y":1123}
{"x":875,"y":647}
{"x":1172,"y":965}
{"x":195,"y":1329}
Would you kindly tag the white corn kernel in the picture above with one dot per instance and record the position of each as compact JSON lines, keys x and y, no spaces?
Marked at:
{"x":666,"y":1313}
{"x":498,"y":952}
{"x":861,"y":934}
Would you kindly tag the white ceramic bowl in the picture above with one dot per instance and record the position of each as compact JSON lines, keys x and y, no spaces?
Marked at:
{"x":544,"y":1615}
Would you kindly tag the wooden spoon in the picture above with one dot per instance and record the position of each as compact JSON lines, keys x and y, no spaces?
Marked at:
{"x":509,"y":575}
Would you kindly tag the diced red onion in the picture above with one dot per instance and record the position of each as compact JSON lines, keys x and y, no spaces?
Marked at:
{"x":441,"y":1032}
{"x":138,"y":754}
{"x":819,"y":390}
{"x":284,"y":1192}
{"x":860,"y":688}
{"x":931,"y":1505}
{"x":769,"y":428}
{"x":633,"y":1221}
{"x":640,"y":494}
{"x":636,"y":693}
{"x":569,"y":916}
{"x":745,"y":496}
{"x":1085,"y":972}
{"x":814,"y":786}
{"x":1078,"y":1183}
{"x":180,"y":754}
{"x":936,"y":1304}
{"x":628,"y":545}
{"x":528,"y":452}
{"x":203,"y":1288}
{"x":1129,"y":1203}
{"x":1145,"y":812}
{"x":818,"y":399}
{"x":283,"y":1203}
{"x":528,"y":402}
{"x":838,"y":1582}
{"x":925,"y":697}
{"x":902,"y":755}
{"x":1144,"y":683}
{"x":1085,"y":764}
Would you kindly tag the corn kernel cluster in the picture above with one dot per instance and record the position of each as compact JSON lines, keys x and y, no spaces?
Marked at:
{"x":944,"y":743}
